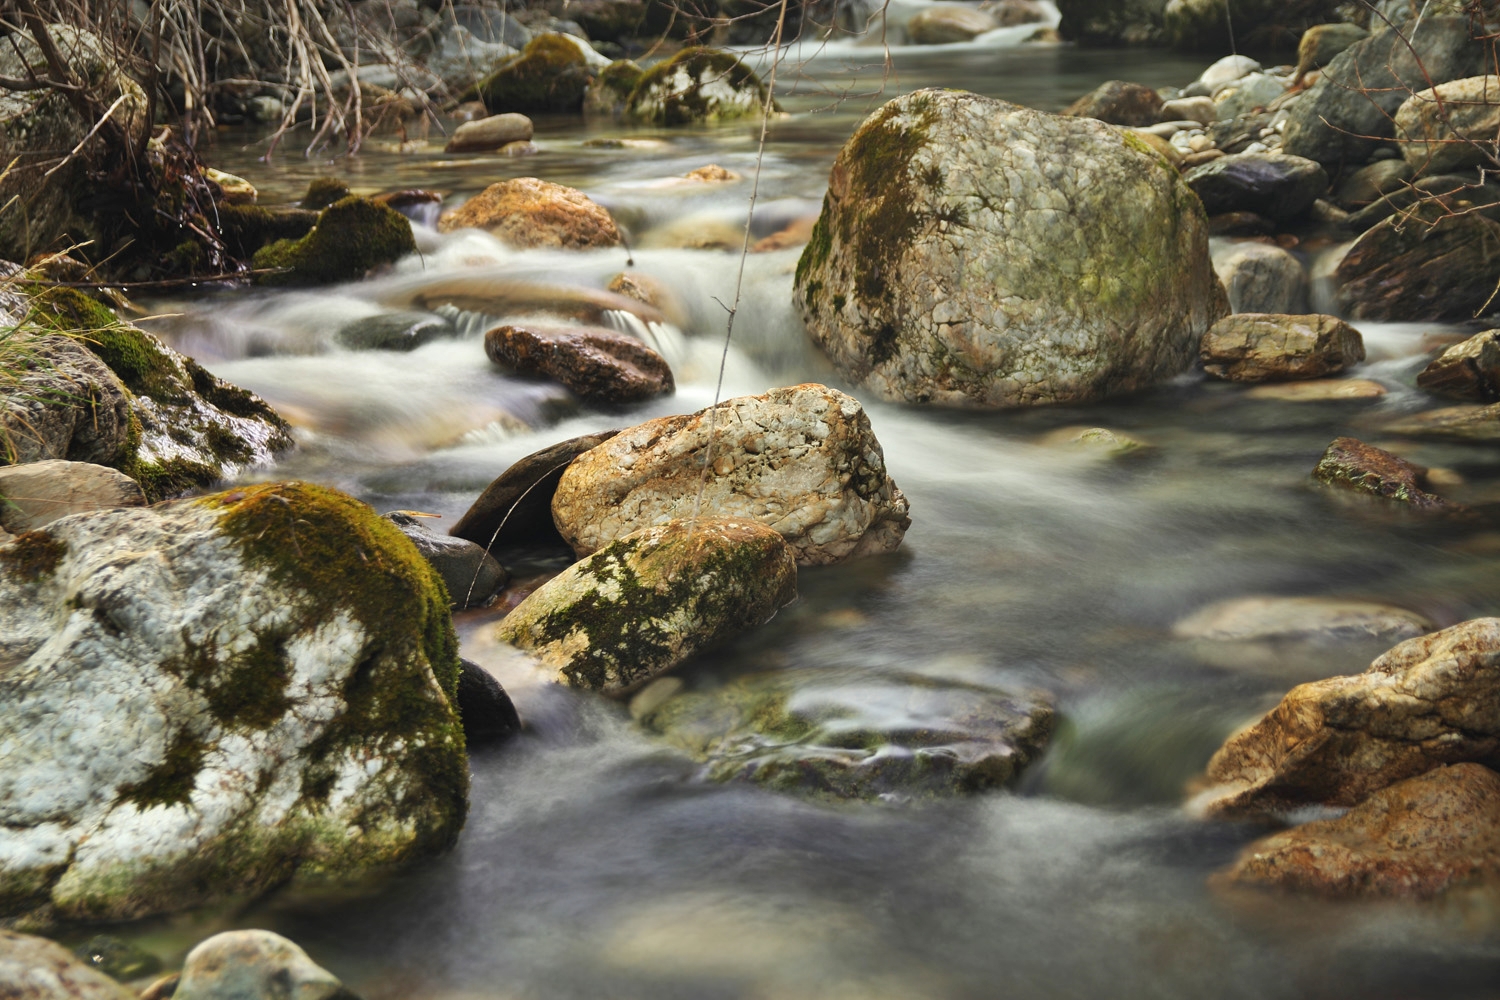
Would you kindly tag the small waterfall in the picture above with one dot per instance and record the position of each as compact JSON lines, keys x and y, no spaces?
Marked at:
{"x":662,"y":337}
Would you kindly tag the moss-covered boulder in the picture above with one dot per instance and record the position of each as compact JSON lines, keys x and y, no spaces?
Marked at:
{"x":856,"y":738}
{"x":644,"y":604}
{"x":976,"y":253}
{"x":182,"y":428}
{"x":352,"y":236}
{"x":550,"y":75}
{"x":208,"y":698}
{"x":1350,"y":464}
{"x":611,"y":89}
{"x":698,"y":84}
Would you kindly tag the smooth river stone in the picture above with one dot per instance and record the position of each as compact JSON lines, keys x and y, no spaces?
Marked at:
{"x":1327,"y":619}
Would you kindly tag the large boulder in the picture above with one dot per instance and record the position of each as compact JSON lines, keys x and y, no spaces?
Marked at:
{"x":1265,"y":347}
{"x":1469,"y":371}
{"x":1111,"y":22}
{"x":1424,"y":265}
{"x":37,"y":493}
{"x":254,"y":965}
{"x":864,"y":738}
{"x":1350,"y":110}
{"x":49,"y":193}
{"x":1417,"y":839}
{"x":527,"y":212}
{"x":1278,"y":187}
{"x":550,"y":75}
{"x":696,"y":85}
{"x":207,"y":698}
{"x":648,"y":601}
{"x":945,"y":23}
{"x":516,"y":509}
{"x":801,"y":459}
{"x":1350,"y":464}
{"x":597,"y":364}
{"x":1451,"y":126}
{"x":975,"y":253}
{"x":1430,"y":701}
{"x":1119,"y":103}
{"x":1262,"y":278}
{"x":353,"y":236}
{"x":33,"y":968}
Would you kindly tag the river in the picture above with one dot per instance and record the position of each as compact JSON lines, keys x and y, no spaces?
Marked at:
{"x":597,"y":863}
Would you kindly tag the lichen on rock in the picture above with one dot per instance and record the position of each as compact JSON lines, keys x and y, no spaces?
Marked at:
{"x":698,"y":84}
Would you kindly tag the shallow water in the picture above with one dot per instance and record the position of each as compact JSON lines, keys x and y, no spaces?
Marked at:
{"x":596,"y":862}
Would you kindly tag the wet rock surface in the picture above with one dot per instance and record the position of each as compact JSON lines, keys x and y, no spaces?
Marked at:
{"x":487,"y":713}
{"x":527,"y":212}
{"x":38,"y":493}
{"x":801,"y":459}
{"x":1353,"y":465}
{"x":1452,"y":423}
{"x":857,"y":738}
{"x":516,"y":509}
{"x":471,"y":574}
{"x":1470,"y":370}
{"x":648,"y":601}
{"x":597,"y":364}
{"x":1242,"y":619}
{"x":1260,"y":347}
{"x":1430,"y":701}
{"x":394,"y":331}
{"x":264,"y":681}
{"x":1119,"y":103}
{"x":920,"y":283}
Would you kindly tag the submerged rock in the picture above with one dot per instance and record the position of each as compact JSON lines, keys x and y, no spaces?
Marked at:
{"x":1428,"y":265}
{"x":1261,"y":347}
{"x":353,"y":236}
{"x":263,"y":682}
{"x":1322,"y":619}
{"x":801,"y":459}
{"x":598,"y":365}
{"x":117,"y":958}
{"x":1430,"y":701}
{"x":1418,"y":838}
{"x":394,"y":331}
{"x":696,"y":85}
{"x":1119,"y":103}
{"x":33,"y":968}
{"x":254,"y":965}
{"x":38,"y":493}
{"x":1263,"y":278}
{"x":1470,"y":370}
{"x":527,"y":212}
{"x":1452,"y":423}
{"x":1446,"y":128}
{"x":516,"y":509}
{"x":1353,"y":465}
{"x":920,"y":282}
{"x":1319,"y":390}
{"x":857,"y":739}
{"x":486,"y":710}
{"x":648,"y":601}
{"x":1278,"y":187}
{"x":471,"y":575}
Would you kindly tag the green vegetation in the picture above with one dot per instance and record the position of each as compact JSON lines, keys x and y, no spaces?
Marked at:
{"x":322,"y":192}
{"x":32,"y":555}
{"x":170,"y":782}
{"x":657,"y":99}
{"x":550,"y":75}
{"x":247,"y":228}
{"x":351,"y":237}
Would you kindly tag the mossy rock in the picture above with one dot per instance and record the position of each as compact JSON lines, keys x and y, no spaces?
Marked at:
{"x":609,"y":92}
{"x":247,"y":228}
{"x":642,"y":605}
{"x":284,"y":670}
{"x":322,"y":192}
{"x":698,"y":84}
{"x":352,"y":236}
{"x":550,"y":75}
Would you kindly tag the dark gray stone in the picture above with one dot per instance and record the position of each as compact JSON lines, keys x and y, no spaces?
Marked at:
{"x":397,"y":331}
{"x":486,"y":711}
{"x":516,"y":509}
{"x":471,"y":574}
{"x":1278,"y":187}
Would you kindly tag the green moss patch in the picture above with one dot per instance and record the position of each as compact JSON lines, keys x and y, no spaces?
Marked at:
{"x":657,"y":97}
{"x":550,"y":75}
{"x":170,"y":782}
{"x":324,"y":191}
{"x":247,"y":228}
{"x":351,"y":237}
{"x":32,"y":555}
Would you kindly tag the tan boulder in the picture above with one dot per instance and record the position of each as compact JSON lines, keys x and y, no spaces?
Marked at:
{"x":1417,"y":838}
{"x":945,"y":23}
{"x":1240,"y":619}
{"x":1268,"y":347}
{"x":33,"y":968}
{"x":1430,"y":701}
{"x":527,"y":212}
{"x":489,"y":133}
{"x":1470,"y":370}
{"x":1451,"y":126}
{"x":801,"y":459}
{"x":38,"y":493}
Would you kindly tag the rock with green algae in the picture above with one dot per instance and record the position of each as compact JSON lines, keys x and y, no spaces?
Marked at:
{"x":550,"y":75}
{"x":33,"y":968}
{"x":207,"y":698}
{"x":1351,"y":464}
{"x":650,"y":600}
{"x":857,"y":738}
{"x":698,"y":84}
{"x":352,"y":236}
{"x":183,"y":427}
{"x":924,"y":281}
{"x":322,"y":192}
{"x":608,"y":93}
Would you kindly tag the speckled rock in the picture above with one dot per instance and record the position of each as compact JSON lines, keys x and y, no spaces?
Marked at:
{"x":1262,"y":278}
{"x":1416,"y":839}
{"x":1343,"y":117}
{"x":33,"y":968}
{"x":801,"y":459}
{"x":254,"y":965}
{"x":1266,"y":347}
{"x":651,"y":599}
{"x":696,"y":85}
{"x":471,"y":575}
{"x":489,"y":133}
{"x":516,"y":509}
{"x":1470,"y":370}
{"x":857,"y":738}
{"x":527,"y":212}
{"x":922,"y":281}
{"x":1278,"y":187}
{"x":1430,"y":701}
{"x":66,"y":404}
{"x":945,"y":23}
{"x":1353,"y":465}
{"x":38,"y":493}
{"x":1119,"y":103}
{"x":597,"y":364}
{"x":1426,"y":265}
{"x":1446,"y":128}
{"x":262,"y":682}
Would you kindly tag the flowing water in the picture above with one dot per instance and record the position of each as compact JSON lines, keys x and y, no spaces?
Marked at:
{"x":597,"y":863}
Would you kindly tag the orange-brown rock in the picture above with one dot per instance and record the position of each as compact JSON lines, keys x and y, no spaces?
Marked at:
{"x":527,"y":212}
{"x":1353,"y":465}
{"x":597,"y":364}
{"x":1417,"y":838}
{"x":1268,"y":347}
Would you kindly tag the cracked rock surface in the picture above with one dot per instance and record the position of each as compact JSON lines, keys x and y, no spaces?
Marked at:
{"x":802,"y":460}
{"x":974,"y":253}
{"x":1430,"y":701}
{"x":1271,"y":347}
